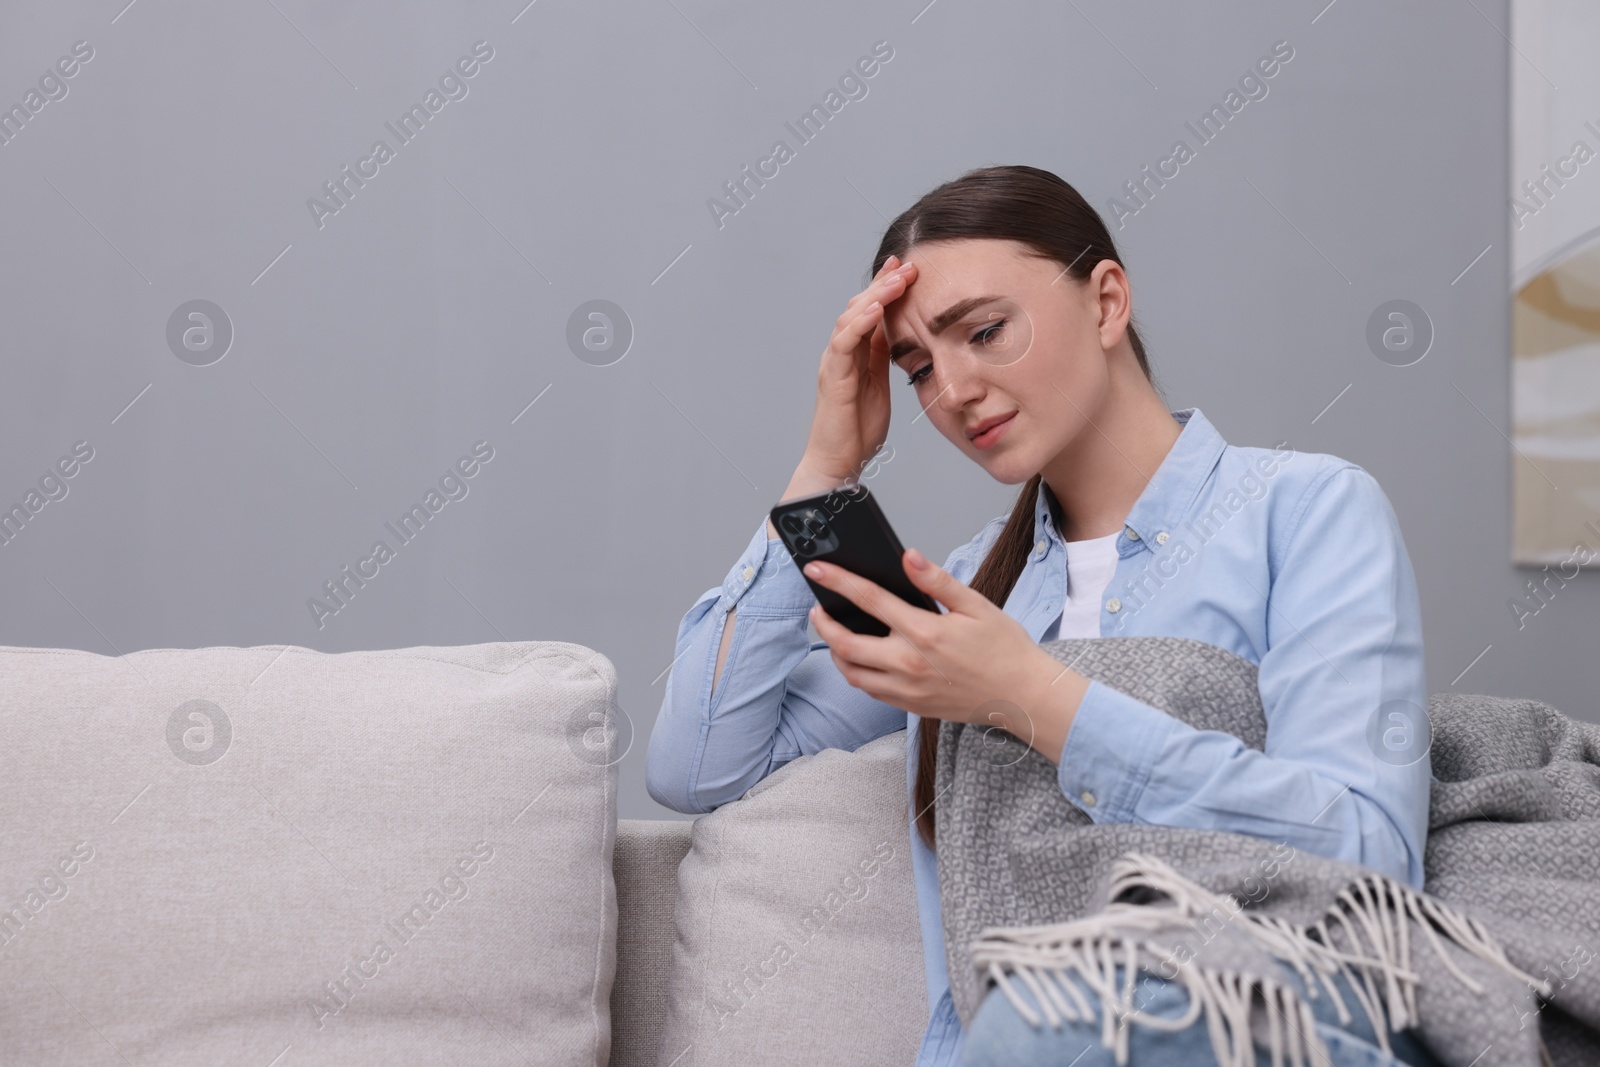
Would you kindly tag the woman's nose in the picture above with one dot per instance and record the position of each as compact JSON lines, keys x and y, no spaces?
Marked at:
{"x":961,"y":387}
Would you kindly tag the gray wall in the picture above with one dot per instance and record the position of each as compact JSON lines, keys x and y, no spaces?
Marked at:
{"x":370,"y":352}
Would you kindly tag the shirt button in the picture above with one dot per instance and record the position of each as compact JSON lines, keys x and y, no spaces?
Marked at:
{"x":1040,"y":546}
{"x":1161,"y":538}
{"x":1113,"y":605}
{"x":748,"y":573}
{"x":1133,"y":535}
{"x":1087,"y":798}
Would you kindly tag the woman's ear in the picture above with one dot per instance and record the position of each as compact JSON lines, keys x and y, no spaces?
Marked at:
{"x":1113,"y":299}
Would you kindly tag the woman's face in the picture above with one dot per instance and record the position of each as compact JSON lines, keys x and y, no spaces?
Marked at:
{"x":1001,"y":341}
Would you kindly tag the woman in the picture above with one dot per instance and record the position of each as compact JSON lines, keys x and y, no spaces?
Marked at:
{"x":1001,"y":298}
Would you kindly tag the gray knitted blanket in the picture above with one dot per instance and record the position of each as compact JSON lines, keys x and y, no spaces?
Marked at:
{"x":1496,"y":963}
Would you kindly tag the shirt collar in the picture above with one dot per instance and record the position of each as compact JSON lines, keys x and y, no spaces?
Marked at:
{"x":1171,"y":490}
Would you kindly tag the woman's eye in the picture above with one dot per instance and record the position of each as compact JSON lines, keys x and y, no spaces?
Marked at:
{"x":984,"y":336}
{"x":920,"y":373}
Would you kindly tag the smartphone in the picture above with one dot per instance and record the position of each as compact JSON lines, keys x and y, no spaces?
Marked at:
{"x":846,"y":527}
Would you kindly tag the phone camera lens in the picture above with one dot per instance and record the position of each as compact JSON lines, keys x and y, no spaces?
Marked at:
{"x":807,"y":532}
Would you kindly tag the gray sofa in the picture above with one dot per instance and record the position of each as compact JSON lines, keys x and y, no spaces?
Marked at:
{"x":645,"y":866}
{"x":278,"y":856}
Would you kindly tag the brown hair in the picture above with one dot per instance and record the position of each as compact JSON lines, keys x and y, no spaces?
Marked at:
{"x":1038,"y":209}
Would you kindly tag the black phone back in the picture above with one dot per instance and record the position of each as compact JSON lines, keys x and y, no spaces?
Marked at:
{"x":846,"y":527}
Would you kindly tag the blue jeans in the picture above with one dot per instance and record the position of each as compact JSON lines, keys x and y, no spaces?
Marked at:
{"x":1000,"y":1037}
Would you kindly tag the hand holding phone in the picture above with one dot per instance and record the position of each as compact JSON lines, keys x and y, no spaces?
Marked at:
{"x":846,"y":527}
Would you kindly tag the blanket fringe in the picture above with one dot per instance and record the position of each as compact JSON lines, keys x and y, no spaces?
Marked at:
{"x":1371,"y":912}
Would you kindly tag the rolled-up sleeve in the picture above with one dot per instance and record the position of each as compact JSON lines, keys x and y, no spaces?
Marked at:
{"x":780,"y":695}
{"x":1345,"y":773}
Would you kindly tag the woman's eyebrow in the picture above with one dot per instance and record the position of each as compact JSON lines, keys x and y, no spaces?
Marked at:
{"x":941,"y":322}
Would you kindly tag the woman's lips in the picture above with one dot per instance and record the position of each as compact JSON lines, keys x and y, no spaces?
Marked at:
{"x":990,"y":437}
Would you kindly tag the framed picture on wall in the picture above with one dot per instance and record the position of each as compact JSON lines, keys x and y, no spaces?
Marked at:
{"x":1555,"y":283}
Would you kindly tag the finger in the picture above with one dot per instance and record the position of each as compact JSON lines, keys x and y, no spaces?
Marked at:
{"x":889,"y":279}
{"x":942,"y":586}
{"x":892,"y":286}
{"x":880,"y":685}
{"x":848,"y":647}
{"x":878,"y":360}
{"x":848,"y":334}
{"x":869,"y":596}
{"x":889,"y":285}
{"x":878,"y":351}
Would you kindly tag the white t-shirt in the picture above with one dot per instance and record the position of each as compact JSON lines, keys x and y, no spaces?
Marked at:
{"x":1091,"y":565}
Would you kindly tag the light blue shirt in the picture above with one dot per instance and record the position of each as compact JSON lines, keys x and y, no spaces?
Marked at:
{"x":1292,"y":560}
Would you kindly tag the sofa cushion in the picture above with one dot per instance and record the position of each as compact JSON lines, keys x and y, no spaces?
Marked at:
{"x":797,"y":936}
{"x":646,"y":870}
{"x":284,"y":857}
